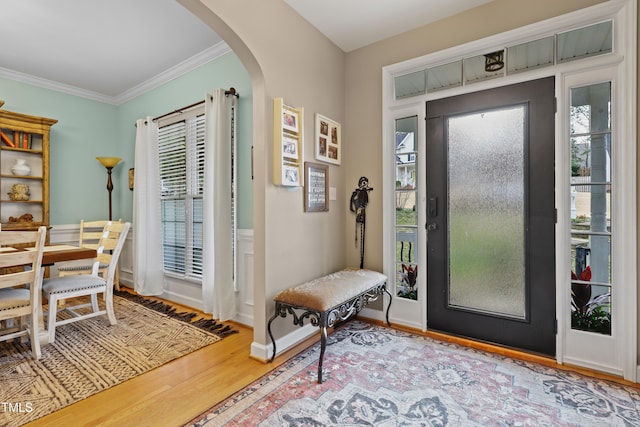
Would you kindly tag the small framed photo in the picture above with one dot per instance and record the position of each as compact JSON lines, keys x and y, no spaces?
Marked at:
{"x":289,"y":147}
{"x":328,"y":140}
{"x":290,"y":120}
{"x":290,"y":176}
{"x":316,"y":187}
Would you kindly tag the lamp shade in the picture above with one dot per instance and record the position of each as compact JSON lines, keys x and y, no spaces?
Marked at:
{"x":109,"y":162}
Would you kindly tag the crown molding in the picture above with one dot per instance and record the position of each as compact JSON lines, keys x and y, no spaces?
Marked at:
{"x":50,"y":84}
{"x":166,"y":76}
{"x":174,"y":72}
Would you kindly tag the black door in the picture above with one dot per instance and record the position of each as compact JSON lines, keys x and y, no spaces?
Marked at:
{"x":491,"y":215}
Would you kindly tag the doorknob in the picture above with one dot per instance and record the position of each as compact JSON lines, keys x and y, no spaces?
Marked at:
{"x":432,"y":226}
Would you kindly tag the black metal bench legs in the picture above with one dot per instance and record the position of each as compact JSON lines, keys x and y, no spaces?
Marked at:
{"x":327,"y":318}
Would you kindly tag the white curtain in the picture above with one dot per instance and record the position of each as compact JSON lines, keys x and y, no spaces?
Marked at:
{"x":217,"y":277}
{"x":147,"y":241}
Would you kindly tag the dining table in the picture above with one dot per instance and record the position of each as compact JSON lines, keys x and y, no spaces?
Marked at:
{"x":52,"y":254}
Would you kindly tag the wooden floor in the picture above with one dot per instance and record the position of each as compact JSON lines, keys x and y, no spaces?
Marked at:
{"x":174,"y":393}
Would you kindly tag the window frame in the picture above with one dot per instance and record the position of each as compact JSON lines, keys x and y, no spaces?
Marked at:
{"x":191,"y":158}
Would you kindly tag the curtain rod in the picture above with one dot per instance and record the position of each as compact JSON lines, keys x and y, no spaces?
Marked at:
{"x":231,"y":91}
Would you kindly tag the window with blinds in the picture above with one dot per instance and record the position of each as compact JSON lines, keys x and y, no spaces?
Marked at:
{"x":181,"y":157}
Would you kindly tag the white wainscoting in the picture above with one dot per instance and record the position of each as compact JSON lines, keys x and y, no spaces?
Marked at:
{"x":179,"y":291}
{"x":244,"y":279}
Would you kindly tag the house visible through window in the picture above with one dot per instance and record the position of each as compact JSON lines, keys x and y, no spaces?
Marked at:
{"x":181,"y":142}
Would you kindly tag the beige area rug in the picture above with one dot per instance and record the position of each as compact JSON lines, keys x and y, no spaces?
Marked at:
{"x":90,"y":356}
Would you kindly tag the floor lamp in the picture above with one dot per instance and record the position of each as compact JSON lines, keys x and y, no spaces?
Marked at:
{"x":109,"y":163}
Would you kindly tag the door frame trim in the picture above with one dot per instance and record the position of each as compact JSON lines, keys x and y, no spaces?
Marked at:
{"x":624,"y":57}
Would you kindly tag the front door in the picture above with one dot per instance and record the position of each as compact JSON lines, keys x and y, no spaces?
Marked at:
{"x":491,"y":216}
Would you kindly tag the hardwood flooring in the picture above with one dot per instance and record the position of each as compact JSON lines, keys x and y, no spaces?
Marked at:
{"x":174,"y":393}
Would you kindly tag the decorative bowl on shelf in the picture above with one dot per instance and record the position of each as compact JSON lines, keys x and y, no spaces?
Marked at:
{"x":20,"y":168}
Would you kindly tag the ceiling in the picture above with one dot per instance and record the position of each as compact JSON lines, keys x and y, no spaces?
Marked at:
{"x":109,"y":50}
{"x":352,"y":24}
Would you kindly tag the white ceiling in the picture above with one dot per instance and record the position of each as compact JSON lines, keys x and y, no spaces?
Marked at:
{"x":107,"y":49}
{"x":352,"y":24}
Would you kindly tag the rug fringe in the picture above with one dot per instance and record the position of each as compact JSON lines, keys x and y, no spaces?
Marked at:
{"x":208,"y":325}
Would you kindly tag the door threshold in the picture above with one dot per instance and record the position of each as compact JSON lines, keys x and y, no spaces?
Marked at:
{"x":514,"y":353}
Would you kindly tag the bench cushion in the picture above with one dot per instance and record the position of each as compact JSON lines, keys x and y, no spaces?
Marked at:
{"x":331,"y":290}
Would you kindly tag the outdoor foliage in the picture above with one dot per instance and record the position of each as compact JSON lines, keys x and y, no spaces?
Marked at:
{"x":409,"y":276}
{"x":589,"y":313}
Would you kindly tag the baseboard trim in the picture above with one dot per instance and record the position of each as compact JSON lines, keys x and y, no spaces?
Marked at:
{"x":592,"y":366}
{"x":263,"y":352}
{"x":244,"y":318}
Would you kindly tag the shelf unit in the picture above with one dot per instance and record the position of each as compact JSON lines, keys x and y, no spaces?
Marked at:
{"x":24,"y":137}
{"x":288,"y":138}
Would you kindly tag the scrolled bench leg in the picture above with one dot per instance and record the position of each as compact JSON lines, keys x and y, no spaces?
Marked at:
{"x":389,"y":305}
{"x":273,"y":341}
{"x":323,"y":346}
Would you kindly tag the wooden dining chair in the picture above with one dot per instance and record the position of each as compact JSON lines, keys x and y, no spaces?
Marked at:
{"x":90,"y":234}
{"x":20,"y":285}
{"x":62,"y":288}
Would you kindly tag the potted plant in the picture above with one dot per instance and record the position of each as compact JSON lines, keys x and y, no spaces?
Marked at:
{"x":589,"y":313}
{"x":409,"y":275}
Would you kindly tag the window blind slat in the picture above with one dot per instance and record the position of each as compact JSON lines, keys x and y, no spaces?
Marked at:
{"x":181,"y":148}
{"x":181,"y":169}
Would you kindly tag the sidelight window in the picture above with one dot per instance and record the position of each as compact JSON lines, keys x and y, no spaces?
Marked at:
{"x":591,"y":145}
{"x":406,"y":137}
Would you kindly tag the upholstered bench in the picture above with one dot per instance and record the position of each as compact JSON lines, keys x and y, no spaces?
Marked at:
{"x":329,"y":299}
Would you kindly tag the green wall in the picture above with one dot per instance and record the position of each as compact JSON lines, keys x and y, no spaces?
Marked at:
{"x":87,"y":129}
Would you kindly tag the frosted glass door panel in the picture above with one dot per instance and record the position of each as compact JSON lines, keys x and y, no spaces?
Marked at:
{"x":486,"y":215}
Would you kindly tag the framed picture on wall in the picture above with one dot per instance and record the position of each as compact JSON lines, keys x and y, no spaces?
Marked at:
{"x":131,"y":178}
{"x":289,"y":147}
{"x":290,"y":120}
{"x":316,"y":187}
{"x":328,"y":140}
{"x":290,"y":176}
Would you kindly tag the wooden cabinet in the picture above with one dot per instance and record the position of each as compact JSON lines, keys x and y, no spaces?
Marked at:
{"x":24,"y":191}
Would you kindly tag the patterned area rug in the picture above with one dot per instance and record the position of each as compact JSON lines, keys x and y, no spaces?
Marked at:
{"x":91,"y":356}
{"x":376,"y":376}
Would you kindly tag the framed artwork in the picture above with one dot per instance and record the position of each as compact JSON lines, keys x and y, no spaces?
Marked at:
{"x":316,"y":187}
{"x":290,"y":176}
{"x":328,"y":140}
{"x":290,"y":120}
{"x":131,"y":178}
{"x":289,"y":147}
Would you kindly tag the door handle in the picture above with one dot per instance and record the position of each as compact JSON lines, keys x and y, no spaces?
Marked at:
{"x":432,"y":207}
{"x":432,"y":226}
